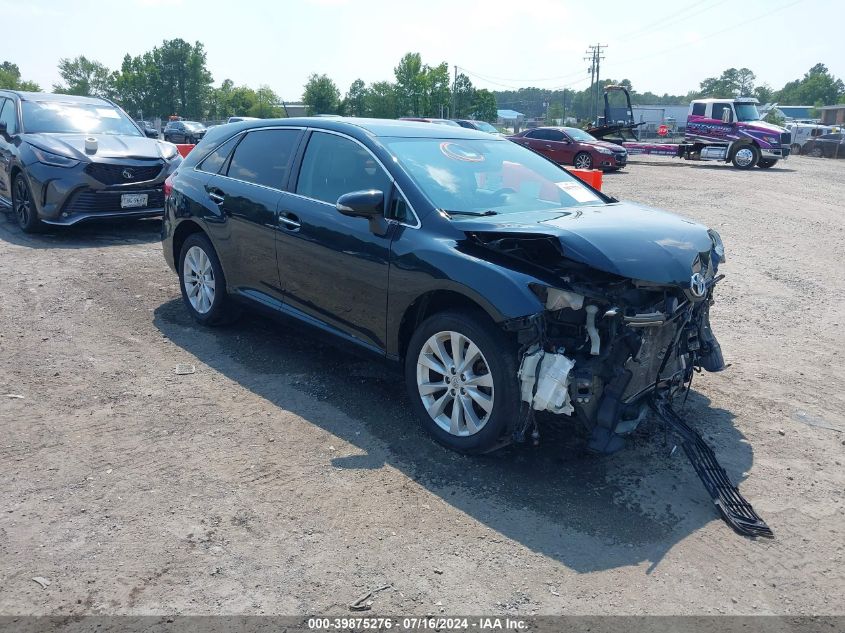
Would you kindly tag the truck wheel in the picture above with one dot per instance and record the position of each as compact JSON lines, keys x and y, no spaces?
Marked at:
{"x":796,"y":148}
{"x":746,"y":157}
{"x":816,"y":152}
{"x":765,"y":163}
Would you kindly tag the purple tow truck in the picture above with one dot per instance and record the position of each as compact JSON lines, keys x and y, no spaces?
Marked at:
{"x":727,"y":130}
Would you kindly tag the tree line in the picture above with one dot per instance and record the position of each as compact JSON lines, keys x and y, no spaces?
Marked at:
{"x":816,"y":88}
{"x":419,"y":90}
{"x":173,"y":79}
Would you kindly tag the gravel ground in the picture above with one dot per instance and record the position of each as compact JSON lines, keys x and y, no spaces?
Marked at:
{"x":288,"y":476}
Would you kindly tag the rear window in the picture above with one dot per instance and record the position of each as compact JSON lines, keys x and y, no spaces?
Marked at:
{"x":263,"y":157}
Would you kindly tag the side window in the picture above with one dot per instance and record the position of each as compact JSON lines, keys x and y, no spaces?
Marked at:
{"x":534,"y":134}
{"x":698,"y":109}
{"x":214,"y":161}
{"x":556,"y":135}
{"x":263,"y":157}
{"x":333,"y":166}
{"x":9,"y":115}
{"x":719,"y":108}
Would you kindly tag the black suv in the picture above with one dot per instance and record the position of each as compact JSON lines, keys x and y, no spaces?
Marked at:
{"x":184,"y":132}
{"x":66,"y":159}
{"x":501,"y":283}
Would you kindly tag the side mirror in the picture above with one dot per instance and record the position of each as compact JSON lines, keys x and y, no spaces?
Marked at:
{"x":726,"y":116}
{"x":361,"y":204}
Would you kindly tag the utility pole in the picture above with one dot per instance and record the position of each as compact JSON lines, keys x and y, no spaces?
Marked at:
{"x":594,"y":54}
{"x":454,"y":95}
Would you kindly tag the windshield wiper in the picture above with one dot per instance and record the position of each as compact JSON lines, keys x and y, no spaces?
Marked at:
{"x":475,"y":213}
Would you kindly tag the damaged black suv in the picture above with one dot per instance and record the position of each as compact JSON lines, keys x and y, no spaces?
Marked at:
{"x":502,"y":284}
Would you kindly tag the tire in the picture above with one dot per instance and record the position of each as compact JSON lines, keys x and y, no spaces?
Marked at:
{"x":26,"y":214}
{"x":190,"y":140}
{"x":815,"y":152}
{"x":204,"y":288}
{"x":796,"y":148}
{"x":583,"y":160}
{"x":766,"y":163}
{"x":745,"y":157}
{"x":474,"y":428}
{"x":167,"y":138}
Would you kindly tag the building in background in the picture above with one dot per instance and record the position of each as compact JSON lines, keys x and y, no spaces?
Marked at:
{"x":833,"y":115}
{"x":672,"y":116}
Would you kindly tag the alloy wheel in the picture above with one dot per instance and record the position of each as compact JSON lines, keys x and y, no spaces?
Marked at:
{"x":23,"y":205}
{"x":583,"y":161}
{"x":454,"y":383}
{"x":198,"y":277}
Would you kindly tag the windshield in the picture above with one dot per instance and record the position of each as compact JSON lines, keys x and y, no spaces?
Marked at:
{"x":75,"y":118}
{"x":485,"y":127}
{"x":579,"y":135}
{"x":487,"y":176}
{"x":193,"y":125}
{"x":746,"y":112}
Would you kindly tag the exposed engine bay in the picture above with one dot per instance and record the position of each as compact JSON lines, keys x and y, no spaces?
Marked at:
{"x":608,"y":349}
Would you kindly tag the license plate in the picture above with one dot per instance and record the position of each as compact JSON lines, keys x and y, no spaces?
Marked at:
{"x":133,"y":200}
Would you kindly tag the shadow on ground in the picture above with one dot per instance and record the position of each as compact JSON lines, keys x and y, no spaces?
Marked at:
{"x":557,"y":482}
{"x":92,"y":234}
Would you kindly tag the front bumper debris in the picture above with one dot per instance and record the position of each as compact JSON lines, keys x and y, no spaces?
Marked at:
{"x":733,"y":507}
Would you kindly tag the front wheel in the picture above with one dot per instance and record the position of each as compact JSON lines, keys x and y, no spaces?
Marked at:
{"x":202,"y":282}
{"x":583,"y":161}
{"x":815,"y":152}
{"x":25,"y":212}
{"x":765,"y":163}
{"x":746,"y":157}
{"x":461,"y":374}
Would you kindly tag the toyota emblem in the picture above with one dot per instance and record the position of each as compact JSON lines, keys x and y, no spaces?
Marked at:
{"x":128,"y":174}
{"x":697,"y":285}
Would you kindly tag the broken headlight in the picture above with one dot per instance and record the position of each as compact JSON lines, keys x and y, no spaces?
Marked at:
{"x":718,"y":246}
{"x":555,"y":299}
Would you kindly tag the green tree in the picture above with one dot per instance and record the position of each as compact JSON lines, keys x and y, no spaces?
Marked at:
{"x":436,"y":94}
{"x":266,"y":104}
{"x":464,"y":94}
{"x":10,"y":78}
{"x":85,"y":77}
{"x":410,"y":84}
{"x":184,"y":84}
{"x":484,"y":106}
{"x":764,"y":93}
{"x":818,"y":86}
{"x":731,"y":83}
{"x":321,"y":95}
{"x":356,"y":99}
{"x":381,"y":100}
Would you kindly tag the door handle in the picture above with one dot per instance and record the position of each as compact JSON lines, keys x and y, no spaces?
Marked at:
{"x":548,"y":146}
{"x":216,"y":198}
{"x":289,"y":221}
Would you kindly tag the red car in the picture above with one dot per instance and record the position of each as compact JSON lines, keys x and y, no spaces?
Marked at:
{"x":571,"y":146}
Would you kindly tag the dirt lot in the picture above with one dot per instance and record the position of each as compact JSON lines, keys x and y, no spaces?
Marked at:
{"x":288,"y":476}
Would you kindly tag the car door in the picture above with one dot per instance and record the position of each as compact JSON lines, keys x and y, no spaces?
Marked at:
{"x":560,"y":147}
{"x":8,"y":115}
{"x":247,"y":191}
{"x":334,"y":268}
{"x":536,"y":140}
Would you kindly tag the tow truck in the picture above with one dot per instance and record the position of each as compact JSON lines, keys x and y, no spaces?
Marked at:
{"x":726,"y":130}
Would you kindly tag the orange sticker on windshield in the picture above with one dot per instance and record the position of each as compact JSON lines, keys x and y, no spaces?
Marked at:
{"x":456,"y":151}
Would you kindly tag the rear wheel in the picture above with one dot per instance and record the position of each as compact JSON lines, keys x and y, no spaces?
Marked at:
{"x":765,"y":163}
{"x":203,"y":283}
{"x":815,"y":152}
{"x":461,"y":374}
{"x":746,"y":157}
{"x":25,"y":212}
{"x":583,"y":160}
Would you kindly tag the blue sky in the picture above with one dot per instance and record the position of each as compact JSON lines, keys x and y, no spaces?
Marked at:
{"x":660,"y":46}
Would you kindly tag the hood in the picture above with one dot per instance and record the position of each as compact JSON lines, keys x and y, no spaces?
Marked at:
{"x":623,"y":238}
{"x":763,"y":126}
{"x":108,"y":145}
{"x":614,"y":146}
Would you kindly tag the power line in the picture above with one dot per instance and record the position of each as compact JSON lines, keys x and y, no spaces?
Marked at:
{"x":594,"y":55}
